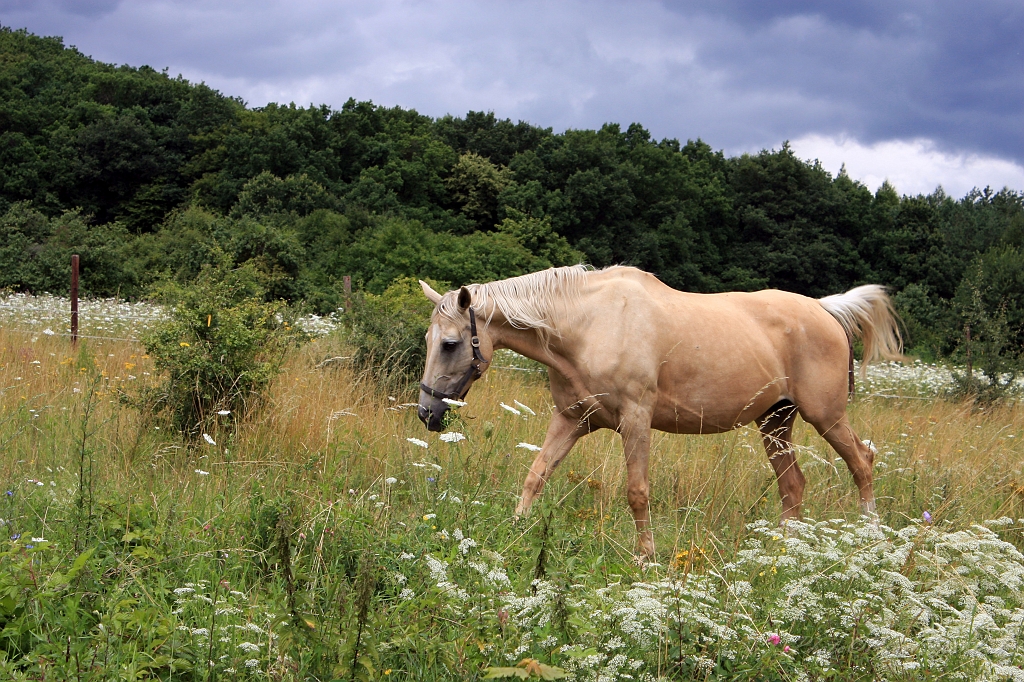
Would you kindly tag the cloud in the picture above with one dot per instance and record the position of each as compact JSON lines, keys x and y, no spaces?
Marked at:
{"x":911,"y":166}
{"x":741,"y":74}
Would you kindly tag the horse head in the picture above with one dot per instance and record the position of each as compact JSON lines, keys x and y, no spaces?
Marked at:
{"x":456,"y":348}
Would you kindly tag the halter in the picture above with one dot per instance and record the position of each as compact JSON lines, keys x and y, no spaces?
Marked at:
{"x":473,"y":372}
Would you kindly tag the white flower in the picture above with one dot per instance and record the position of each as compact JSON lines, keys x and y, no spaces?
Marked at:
{"x":417,"y":441}
{"x":224,"y":413}
{"x":524,"y":408}
{"x":38,"y":539}
{"x":252,"y":663}
{"x":406,"y":594}
{"x":209,"y":439}
{"x":427,"y":517}
{"x":454,"y":403}
{"x":391,"y":480}
{"x":249,"y":647}
{"x":202,"y":473}
{"x":49,"y":332}
{"x":511,"y":409}
{"x":453,"y":437}
{"x":527,"y":446}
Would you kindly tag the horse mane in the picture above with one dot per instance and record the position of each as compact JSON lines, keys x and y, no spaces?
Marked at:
{"x":528,"y":301}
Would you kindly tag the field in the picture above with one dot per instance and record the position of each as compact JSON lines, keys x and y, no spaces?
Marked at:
{"x":331,"y":537}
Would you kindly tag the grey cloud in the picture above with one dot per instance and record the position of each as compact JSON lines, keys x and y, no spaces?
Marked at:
{"x":739,"y":73}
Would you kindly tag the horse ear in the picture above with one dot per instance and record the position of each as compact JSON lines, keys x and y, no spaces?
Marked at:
{"x":431,"y":295}
{"x":465,"y":299}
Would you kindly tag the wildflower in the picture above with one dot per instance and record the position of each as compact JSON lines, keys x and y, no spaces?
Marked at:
{"x":454,"y":403}
{"x":528,"y":446}
{"x":524,"y":408}
{"x":49,"y":332}
{"x":224,"y":413}
{"x":202,"y":473}
{"x":38,"y":540}
{"x":431,"y":479}
{"x":9,"y":493}
{"x":252,"y":663}
{"x":302,"y":536}
{"x":427,"y":517}
{"x":511,"y":409}
{"x":391,"y":480}
{"x":774,"y":639}
{"x":209,"y":439}
{"x":786,"y":649}
{"x":249,"y":647}
{"x":417,"y":441}
{"x":927,"y":517}
{"x":185,"y":344}
{"x":453,"y":437}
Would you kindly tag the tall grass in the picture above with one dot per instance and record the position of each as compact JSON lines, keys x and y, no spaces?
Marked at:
{"x":294,"y":523}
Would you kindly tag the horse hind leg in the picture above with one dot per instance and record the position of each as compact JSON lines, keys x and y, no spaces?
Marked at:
{"x":858,"y":457}
{"x":776,"y":426}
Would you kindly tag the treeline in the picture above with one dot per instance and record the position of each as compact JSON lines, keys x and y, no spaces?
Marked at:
{"x":150,"y":178}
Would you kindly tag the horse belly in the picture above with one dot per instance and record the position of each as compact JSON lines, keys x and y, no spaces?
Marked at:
{"x":713,"y":399}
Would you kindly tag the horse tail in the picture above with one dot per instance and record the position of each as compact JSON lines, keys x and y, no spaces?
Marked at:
{"x":866,"y":312}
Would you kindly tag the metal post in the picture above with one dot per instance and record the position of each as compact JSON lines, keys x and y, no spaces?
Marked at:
{"x":74,"y":299}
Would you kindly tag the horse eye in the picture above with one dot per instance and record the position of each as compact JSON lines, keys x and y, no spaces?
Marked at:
{"x":449,"y":345}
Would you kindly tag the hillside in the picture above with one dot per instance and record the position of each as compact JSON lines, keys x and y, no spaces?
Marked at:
{"x":151,"y":177}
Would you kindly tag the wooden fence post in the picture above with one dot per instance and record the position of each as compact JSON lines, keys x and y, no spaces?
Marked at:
{"x":970,"y":365}
{"x":348,"y":292}
{"x":74,"y":299}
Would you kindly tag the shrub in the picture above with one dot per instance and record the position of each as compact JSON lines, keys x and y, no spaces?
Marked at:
{"x":388,"y":334}
{"x":988,"y":345}
{"x":220,"y":347}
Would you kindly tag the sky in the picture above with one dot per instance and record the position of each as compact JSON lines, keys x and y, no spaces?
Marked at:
{"x":920,"y":93}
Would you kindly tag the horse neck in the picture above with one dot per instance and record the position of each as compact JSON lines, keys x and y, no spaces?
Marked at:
{"x":544,"y":346}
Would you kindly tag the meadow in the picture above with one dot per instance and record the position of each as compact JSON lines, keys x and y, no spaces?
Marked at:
{"x":329,"y":536}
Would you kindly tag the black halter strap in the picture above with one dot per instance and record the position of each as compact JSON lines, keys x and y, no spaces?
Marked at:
{"x":473,"y":372}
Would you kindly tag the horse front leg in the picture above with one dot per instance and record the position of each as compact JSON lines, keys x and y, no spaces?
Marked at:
{"x":636,"y":443}
{"x":563,"y":432}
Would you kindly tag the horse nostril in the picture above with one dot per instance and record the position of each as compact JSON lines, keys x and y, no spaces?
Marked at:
{"x":423,"y":413}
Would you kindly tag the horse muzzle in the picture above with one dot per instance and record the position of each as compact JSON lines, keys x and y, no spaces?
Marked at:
{"x":433,"y":416}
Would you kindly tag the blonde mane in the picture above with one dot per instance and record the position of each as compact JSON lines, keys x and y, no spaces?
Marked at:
{"x":528,"y":301}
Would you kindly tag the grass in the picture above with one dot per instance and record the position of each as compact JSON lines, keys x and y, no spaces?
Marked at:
{"x":317,"y":542}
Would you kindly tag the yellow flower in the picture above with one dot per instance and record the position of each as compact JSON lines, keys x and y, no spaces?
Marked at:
{"x":184,"y":344}
{"x":388,"y":671}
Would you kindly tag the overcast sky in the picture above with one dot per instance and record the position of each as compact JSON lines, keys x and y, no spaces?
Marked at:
{"x":921,"y":93}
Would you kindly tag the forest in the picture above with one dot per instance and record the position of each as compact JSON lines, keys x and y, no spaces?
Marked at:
{"x":150,"y":177}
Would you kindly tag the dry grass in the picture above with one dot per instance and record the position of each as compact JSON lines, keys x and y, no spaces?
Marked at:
{"x":323,"y":432}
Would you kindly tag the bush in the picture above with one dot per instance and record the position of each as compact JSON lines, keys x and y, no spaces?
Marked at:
{"x":990,"y":348}
{"x":388,"y":334}
{"x":220,"y":348}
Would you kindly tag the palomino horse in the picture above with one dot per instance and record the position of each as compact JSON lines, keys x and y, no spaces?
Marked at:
{"x":626,"y":352}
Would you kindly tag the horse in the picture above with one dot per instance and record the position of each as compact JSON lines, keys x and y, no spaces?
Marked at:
{"x":626,"y":352}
